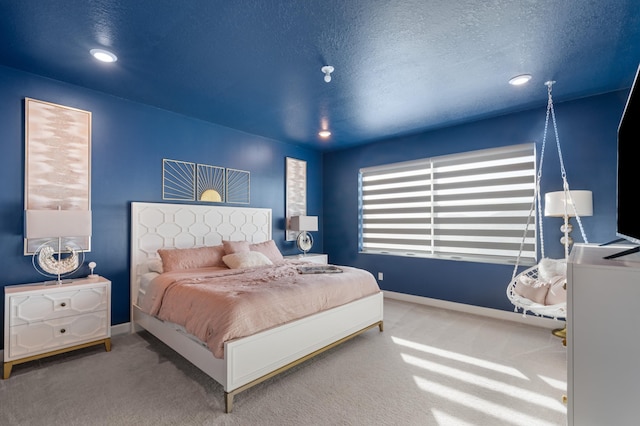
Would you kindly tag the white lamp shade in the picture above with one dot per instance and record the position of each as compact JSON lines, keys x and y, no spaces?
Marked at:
{"x":57,"y":223}
{"x":303,"y":223}
{"x":555,"y":202}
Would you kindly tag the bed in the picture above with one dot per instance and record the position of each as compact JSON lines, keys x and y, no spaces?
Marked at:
{"x":245,"y":361}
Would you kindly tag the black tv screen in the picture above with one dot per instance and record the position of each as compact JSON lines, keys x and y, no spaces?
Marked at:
{"x":628,"y":177}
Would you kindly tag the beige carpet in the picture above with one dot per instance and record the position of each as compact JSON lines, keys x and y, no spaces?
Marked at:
{"x":429,"y":367}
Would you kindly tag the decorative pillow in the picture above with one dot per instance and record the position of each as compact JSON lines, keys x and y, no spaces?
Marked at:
{"x":557,"y":291}
{"x":535,"y":294}
{"x":550,"y":268}
{"x":247,"y":259}
{"x":155,"y":265}
{"x":191,"y":258}
{"x":269,"y":249}
{"x":231,"y":247}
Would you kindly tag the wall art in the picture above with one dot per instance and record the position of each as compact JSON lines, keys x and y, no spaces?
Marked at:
{"x":57,"y":162}
{"x":210,"y":184}
{"x":238,"y":186}
{"x":178,"y":180}
{"x":296,"y":193}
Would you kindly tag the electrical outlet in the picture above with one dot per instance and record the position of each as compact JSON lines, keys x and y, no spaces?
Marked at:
{"x":380,"y":276}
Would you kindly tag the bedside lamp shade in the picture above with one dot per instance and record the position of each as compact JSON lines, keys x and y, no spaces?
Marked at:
{"x":555,"y":204}
{"x":303,"y":223}
{"x":57,"y":223}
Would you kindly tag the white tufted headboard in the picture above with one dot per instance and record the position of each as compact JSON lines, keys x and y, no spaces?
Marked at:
{"x":163,"y":225}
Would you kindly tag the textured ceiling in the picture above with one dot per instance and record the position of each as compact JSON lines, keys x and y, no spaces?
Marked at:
{"x":400,"y":66}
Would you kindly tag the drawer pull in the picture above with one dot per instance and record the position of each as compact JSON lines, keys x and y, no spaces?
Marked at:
{"x":63,"y":304}
{"x":62,"y":331}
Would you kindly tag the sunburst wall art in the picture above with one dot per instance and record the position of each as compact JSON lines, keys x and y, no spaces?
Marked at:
{"x":238,"y":186}
{"x":210,"y":183}
{"x":178,"y":180}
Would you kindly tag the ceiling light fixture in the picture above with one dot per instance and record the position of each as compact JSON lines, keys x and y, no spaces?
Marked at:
{"x":103,"y":55}
{"x":520,"y":79}
{"x":327,"y":70}
{"x":324,"y":133}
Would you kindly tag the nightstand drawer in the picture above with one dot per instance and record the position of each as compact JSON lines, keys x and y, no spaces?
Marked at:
{"x":34,"y":307}
{"x":45,"y":336}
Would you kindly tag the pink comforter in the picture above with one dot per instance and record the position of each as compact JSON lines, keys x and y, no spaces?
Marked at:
{"x":217,"y":305}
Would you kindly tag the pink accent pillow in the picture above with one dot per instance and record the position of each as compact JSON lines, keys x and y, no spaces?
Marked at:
{"x":269,"y":249}
{"x":191,"y":258}
{"x":231,"y":247}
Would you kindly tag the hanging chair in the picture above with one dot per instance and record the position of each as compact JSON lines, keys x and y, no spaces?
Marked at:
{"x":530,"y":289}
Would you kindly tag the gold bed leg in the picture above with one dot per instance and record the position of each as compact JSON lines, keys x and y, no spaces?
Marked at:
{"x":381,"y":326}
{"x":6,"y":371}
{"x":228,"y":402}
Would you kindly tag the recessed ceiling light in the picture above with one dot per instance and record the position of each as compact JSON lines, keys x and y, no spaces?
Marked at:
{"x":103,"y":55}
{"x":520,"y":79}
{"x":324,"y":133}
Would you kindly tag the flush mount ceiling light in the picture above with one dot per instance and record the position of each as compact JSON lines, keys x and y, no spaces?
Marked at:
{"x":103,"y":55}
{"x":327,"y":70}
{"x":520,"y":79}
{"x":324,"y":133}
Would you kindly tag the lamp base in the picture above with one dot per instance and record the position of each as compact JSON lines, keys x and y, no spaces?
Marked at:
{"x":304,"y":242}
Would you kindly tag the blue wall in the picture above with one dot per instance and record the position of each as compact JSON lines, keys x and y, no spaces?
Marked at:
{"x":587,"y":131}
{"x":129,"y":141}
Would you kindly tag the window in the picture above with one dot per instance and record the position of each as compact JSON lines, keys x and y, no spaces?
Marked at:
{"x":470,"y":206}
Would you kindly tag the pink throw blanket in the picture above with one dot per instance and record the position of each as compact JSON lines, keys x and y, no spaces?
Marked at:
{"x":217,"y":305}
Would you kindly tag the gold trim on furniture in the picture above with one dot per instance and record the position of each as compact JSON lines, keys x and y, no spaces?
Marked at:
{"x":9,"y":364}
{"x":228,"y":396}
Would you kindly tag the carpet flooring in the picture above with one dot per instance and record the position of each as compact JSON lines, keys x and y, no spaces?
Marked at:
{"x":429,"y":367}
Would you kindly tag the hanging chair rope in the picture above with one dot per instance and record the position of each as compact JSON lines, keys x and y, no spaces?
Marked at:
{"x":520,"y":302}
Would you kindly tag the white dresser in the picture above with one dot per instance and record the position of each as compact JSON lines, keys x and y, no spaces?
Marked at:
{"x":603,"y":337}
{"x":47,"y":319}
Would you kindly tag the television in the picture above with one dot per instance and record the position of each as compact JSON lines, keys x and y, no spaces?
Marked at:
{"x":627,"y":190}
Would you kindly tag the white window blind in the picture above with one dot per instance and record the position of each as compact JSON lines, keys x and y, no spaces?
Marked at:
{"x":471,"y":206}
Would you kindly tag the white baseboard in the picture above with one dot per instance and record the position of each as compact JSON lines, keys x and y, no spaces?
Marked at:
{"x":123,"y":328}
{"x":529,"y":319}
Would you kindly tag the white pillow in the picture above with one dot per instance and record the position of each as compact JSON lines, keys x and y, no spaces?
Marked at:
{"x":155,"y":265}
{"x":248,"y":259}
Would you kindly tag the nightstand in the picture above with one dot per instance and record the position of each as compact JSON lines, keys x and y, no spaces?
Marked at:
{"x":48,"y":319}
{"x":311,"y":257}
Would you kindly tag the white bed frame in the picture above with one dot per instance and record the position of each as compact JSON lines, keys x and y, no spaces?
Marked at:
{"x":250,"y":360}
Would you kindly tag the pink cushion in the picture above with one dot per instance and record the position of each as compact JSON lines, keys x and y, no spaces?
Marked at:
{"x":269,"y":249}
{"x":557,"y":293}
{"x":535,"y":294}
{"x":231,"y":247}
{"x":191,"y":258}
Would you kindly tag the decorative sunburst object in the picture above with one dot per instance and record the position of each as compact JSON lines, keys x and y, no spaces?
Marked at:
{"x":210,"y":183}
{"x":57,"y":258}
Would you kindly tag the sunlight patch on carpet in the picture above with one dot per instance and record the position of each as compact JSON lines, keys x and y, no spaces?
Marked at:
{"x":499,"y":368}
{"x":480,"y":381}
{"x":500,"y":412}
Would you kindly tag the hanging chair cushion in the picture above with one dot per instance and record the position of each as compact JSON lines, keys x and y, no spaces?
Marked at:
{"x":525,"y":287}
{"x":557,"y":291}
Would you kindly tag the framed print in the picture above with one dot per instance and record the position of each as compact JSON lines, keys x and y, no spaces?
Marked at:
{"x":57,"y":162}
{"x":296,"y":192}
